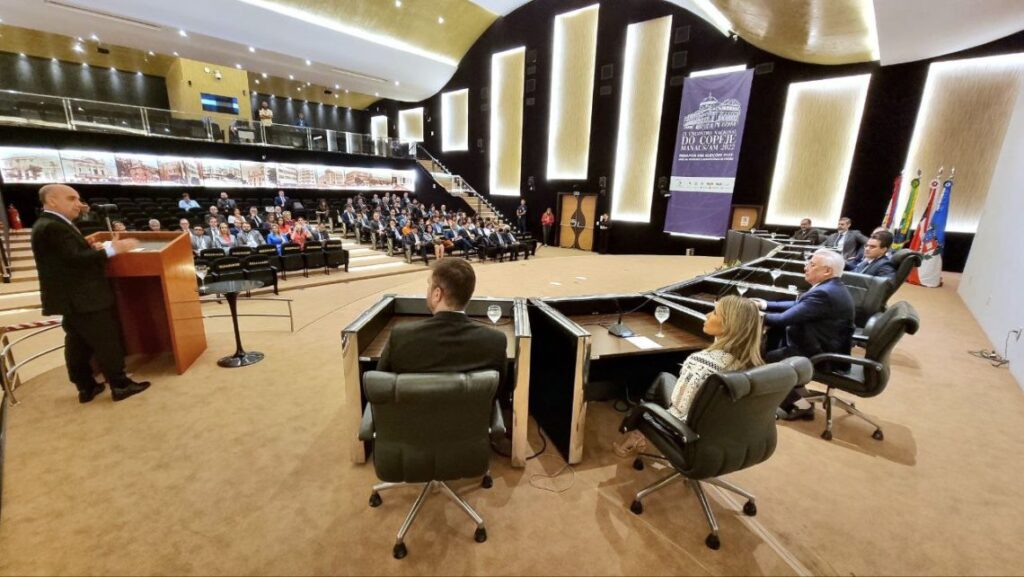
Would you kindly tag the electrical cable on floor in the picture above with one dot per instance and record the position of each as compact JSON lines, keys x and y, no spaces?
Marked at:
{"x":536,"y":476}
{"x":995,"y":358}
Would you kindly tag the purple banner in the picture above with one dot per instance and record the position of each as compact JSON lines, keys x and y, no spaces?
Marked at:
{"x":707,"y":153}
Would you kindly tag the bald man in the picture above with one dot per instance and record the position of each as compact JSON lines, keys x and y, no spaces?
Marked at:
{"x":73,"y":283}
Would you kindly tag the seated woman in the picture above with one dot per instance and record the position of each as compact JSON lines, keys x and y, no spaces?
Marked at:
{"x":736,"y":326}
{"x":235,"y":220}
{"x":276,"y":238}
{"x":323,"y":211}
{"x":284,"y":226}
{"x":299,"y":235}
{"x":223,"y":240}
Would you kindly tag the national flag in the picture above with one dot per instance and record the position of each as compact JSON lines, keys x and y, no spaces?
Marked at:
{"x":890,"y":215}
{"x":929,"y":274}
{"x":903,"y":232}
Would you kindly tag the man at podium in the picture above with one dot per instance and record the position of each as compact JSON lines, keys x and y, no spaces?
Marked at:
{"x":73,"y":283}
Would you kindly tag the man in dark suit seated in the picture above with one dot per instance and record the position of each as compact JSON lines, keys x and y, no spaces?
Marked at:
{"x":419,"y":242}
{"x":876,"y":257}
{"x":849,"y":242}
{"x":200,"y":240}
{"x":282,"y":200}
{"x":449,"y":341}
{"x":818,"y":321}
{"x":806,"y":232}
{"x":73,"y":283}
{"x":226,"y":205}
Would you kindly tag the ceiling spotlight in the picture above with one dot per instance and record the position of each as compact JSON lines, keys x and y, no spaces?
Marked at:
{"x":175,"y":53}
{"x":264,"y":74}
{"x":291,"y":77}
{"x":308,"y":63}
{"x":78,"y":48}
{"x":80,"y":39}
{"x":335,"y":95}
{"x":53,"y":60}
{"x":346,"y":91}
{"x":238,"y":66}
{"x":85,"y":65}
{"x":182,"y":33}
{"x":337,"y":86}
{"x":396,"y":83}
{"x":257,"y":82}
{"x":398,"y":3}
{"x":94,"y":37}
{"x":376,"y":93}
{"x":440,"y":19}
{"x":251,"y":49}
{"x":138,"y":73}
{"x":151,"y":53}
{"x":22,"y":54}
{"x":112,"y":69}
{"x":308,"y":84}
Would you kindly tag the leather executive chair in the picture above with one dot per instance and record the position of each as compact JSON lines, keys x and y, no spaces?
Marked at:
{"x":428,"y":429}
{"x":868,"y":375}
{"x":731,"y":426}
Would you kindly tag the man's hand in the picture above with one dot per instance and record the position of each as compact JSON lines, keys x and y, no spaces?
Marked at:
{"x":119,"y":245}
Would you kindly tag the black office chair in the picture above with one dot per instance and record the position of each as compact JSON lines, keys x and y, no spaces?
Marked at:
{"x":225,"y":268}
{"x":258,"y":267}
{"x":869,"y":295}
{"x":271,"y":253}
{"x":905,"y":260}
{"x":241,"y":251}
{"x":211,"y":254}
{"x":291,"y":259}
{"x":313,"y":256}
{"x":335,"y":255}
{"x":867,"y":375}
{"x":429,"y":429}
{"x":731,"y":426}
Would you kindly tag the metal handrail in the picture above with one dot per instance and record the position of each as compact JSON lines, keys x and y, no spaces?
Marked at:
{"x":5,"y":243}
{"x":466,"y":186}
{"x":8,"y":368}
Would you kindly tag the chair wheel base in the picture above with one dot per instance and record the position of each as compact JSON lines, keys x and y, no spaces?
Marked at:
{"x":399,"y":551}
{"x":480,"y":535}
{"x":487,"y":482}
{"x":712,"y":542}
{"x":878,"y":435}
{"x":637,"y":508}
{"x":638,"y":464}
{"x":750,"y":509}
{"x":375,"y":500}
{"x":827,"y":435}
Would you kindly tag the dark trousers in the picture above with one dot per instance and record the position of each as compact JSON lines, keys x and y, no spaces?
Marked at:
{"x":93,"y":335}
{"x":547,"y":235}
{"x":661,"y":389}
{"x":774,"y":356}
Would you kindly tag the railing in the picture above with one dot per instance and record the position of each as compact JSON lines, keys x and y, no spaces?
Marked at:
{"x":5,"y":242}
{"x":459,"y":184}
{"x":57,"y":112}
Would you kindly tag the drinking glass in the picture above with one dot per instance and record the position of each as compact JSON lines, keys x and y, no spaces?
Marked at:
{"x":661,"y":314}
{"x":494,"y":313}
{"x":201,"y":270}
{"x":776,"y":273}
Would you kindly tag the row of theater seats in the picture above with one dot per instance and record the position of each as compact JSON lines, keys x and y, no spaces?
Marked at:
{"x":263,"y":263}
{"x":527,"y":245}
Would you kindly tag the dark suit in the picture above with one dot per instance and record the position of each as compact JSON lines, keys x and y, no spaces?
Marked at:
{"x":853,"y":243}
{"x":226,"y":205}
{"x":811,"y":235}
{"x":283,"y":202}
{"x":73,"y":283}
{"x":447,"y":341}
{"x":881,"y":266}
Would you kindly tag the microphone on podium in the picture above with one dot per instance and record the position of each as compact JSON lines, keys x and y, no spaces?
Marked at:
{"x":619,"y":328}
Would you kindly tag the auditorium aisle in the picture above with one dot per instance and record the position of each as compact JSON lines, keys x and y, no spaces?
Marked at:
{"x":243,"y":471}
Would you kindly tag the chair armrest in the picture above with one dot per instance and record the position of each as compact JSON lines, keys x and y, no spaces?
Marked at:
{"x":828,"y":357}
{"x":497,"y":428}
{"x":366,"y":432}
{"x":662,"y":417}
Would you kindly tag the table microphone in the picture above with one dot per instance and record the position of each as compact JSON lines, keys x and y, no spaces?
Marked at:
{"x":619,"y":328}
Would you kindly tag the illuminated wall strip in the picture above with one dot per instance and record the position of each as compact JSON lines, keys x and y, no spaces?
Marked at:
{"x":455,"y":120}
{"x":714,"y":71}
{"x":410,"y":125}
{"x":643,"y":90}
{"x":572,"y":94}
{"x":965,"y":110}
{"x":819,"y":134}
{"x":506,"y":151}
{"x":379,"y":127}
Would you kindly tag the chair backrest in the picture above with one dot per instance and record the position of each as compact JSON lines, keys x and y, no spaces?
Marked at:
{"x":255,"y":261}
{"x":904,"y":260}
{"x":266,"y":249}
{"x":869,"y":295}
{"x":883,"y":331}
{"x":333,"y":244}
{"x":430,"y":426}
{"x":734,"y":416}
{"x":211,"y":253}
{"x":226,"y":264}
{"x":291,"y":248}
{"x":241,"y":251}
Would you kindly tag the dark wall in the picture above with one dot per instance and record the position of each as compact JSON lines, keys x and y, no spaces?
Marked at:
{"x":69,"y":79}
{"x":286,"y":111}
{"x":893,"y":99}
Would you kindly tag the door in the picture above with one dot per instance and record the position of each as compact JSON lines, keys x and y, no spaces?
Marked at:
{"x":577,"y":215}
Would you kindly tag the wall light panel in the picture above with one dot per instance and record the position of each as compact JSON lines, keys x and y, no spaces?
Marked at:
{"x":965,"y":109}
{"x":572,"y":94}
{"x":410,"y":125}
{"x":455,"y":120}
{"x":819,"y":135}
{"x":643,"y":91}
{"x":506,"y":150}
{"x":379,"y":127}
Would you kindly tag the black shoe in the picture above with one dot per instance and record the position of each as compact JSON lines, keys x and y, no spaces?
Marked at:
{"x":90,"y":394}
{"x":800,"y":414}
{"x":127,"y":389}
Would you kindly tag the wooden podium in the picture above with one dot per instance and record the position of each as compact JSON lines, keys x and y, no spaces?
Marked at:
{"x":157,"y":298}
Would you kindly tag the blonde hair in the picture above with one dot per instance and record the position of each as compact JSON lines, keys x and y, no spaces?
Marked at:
{"x":741,"y":332}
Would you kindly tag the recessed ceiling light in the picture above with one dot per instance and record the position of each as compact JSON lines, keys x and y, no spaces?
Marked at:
{"x":299,"y":89}
{"x":78,"y":48}
{"x":376,"y":93}
{"x":238,"y":66}
{"x":257,"y":82}
{"x":22,"y":54}
{"x":85,"y":65}
{"x":346,"y":91}
{"x":264,"y":74}
{"x":308,"y":84}
{"x":335,"y":95}
{"x":175,"y":53}
{"x":151,"y":53}
{"x":440,"y":19}
{"x":251,"y":49}
{"x":138,"y":73}
{"x":80,"y":39}
{"x":308,"y":63}
{"x":53,"y":60}
{"x":396,"y":83}
{"x":291,"y":77}
{"x":337,"y":86}
{"x":398,"y":3}
{"x":94,"y":37}
{"x":182,"y":33}
{"x":112,"y":69}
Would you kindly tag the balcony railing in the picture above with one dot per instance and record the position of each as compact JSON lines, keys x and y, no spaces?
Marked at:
{"x":39,"y":110}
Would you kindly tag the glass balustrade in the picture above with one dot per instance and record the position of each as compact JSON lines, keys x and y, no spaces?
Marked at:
{"x":37,"y":110}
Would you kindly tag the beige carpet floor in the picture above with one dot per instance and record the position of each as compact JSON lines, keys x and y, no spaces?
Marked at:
{"x":223,"y":472}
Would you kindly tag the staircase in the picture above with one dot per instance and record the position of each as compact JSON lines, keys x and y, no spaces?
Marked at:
{"x":457,"y":186}
{"x":23,"y":264}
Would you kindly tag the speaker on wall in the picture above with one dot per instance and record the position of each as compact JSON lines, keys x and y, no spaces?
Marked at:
{"x":531,"y":101}
{"x":531,"y":56}
{"x":764,"y":68}
{"x":681,"y":34}
{"x":679,"y":59}
{"x":676,"y":80}
{"x":602,"y":184}
{"x":531,"y":85}
{"x":605,"y":90}
{"x":531,"y":70}
{"x":531,"y":184}
{"x":607,"y":72}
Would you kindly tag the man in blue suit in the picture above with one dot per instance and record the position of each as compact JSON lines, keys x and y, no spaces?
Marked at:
{"x":818,"y":321}
{"x":876,"y":257}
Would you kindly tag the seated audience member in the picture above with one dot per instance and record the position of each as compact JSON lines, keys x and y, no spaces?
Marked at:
{"x":118,"y":226}
{"x":214,"y":213}
{"x":276,"y":238}
{"x":735,"y":325}
{"x":248,"y":237}
{"x":186,"y":203}
{"x":282,"y":200}
{"x":419,"y":242}
{"x":449,"y":341}
{"x":849,"y":242}
{"x":224,"y":240}
{"x":213,"y":225}
{"x":235,"y":219}
{"x":320,"y":233}
{"x":805,"y":232}
{"x":200,"y":240}
{"x":284,"y":226}
{"x":348,"y":218}
{"x":184,"y":225}
{"x":299,"y":235}
{"x":876,"y":257}
{"x":225,"y":204}
{"x":154,"y":225}
{"x":256,"y":221}
{"x":394,"y":232}
{"x":819,"y":321}
{"x":323,"y":211}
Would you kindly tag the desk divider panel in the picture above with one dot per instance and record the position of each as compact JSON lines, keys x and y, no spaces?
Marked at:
{"x":354,"y":339}
{"x":521,"y":390}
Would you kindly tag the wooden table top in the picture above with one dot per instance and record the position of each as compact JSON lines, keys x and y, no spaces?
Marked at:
{"x":505,"y":325}
{"x":604,"y":345}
